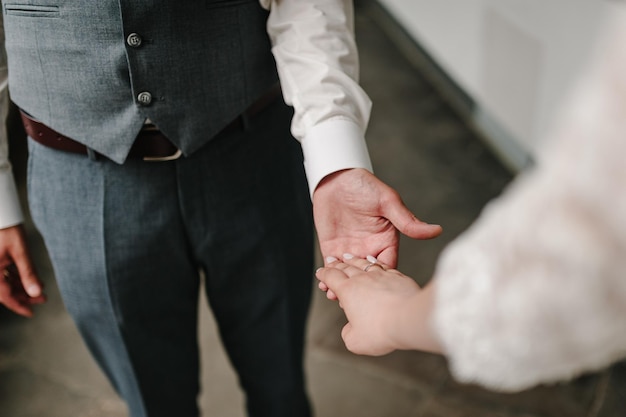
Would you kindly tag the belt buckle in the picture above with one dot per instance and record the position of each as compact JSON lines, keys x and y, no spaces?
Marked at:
{"x":171,"y":157}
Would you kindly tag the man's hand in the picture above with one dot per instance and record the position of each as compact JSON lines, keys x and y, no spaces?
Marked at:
{"x":20,"y":288}
{"x":357,"y":213}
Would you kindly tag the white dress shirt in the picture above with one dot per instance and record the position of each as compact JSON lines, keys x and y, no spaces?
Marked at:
{"x":10,"y":211}
{"x":314,"y":47}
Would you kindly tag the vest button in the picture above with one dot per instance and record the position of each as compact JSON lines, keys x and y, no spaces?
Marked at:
{"x":144,"y":98}
{"x":134,"y":40}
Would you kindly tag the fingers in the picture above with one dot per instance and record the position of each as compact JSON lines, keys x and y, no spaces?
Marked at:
{"x":336,"y":273}
{"x":353,"y":265}
{"x":30,"y":282}
{"x":12,"y":293}
{"x":12,"y":302}
{"x":331,"y":278}
{"x":20,"y":288}
{"x":322,"y":286}
{"x":21,"y":258}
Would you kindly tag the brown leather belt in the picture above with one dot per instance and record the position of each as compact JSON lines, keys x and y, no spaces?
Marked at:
{"x":150,"y":144}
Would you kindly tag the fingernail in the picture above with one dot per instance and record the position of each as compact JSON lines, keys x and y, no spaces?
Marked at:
{"x":371,"y":259}
{"x":348,"y":256}
{"x":319,"y":269}
{"x":33,"y":290}
{"x":331,"y":259}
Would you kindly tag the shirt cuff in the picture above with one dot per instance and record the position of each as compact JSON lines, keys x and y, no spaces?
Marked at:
{"x":10,"y":209}
{"x":332,"y":146}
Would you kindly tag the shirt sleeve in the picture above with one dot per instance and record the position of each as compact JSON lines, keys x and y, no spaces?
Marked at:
{"x":317,"y":60}
{"x":534,"y":292}
{"x":10,"y":210}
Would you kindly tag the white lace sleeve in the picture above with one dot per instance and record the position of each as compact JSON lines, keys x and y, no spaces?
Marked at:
{"x":535,"y":290}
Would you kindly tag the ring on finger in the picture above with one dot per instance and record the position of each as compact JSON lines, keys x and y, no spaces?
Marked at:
{"x":371,"y":264}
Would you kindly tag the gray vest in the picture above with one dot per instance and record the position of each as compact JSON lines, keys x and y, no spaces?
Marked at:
{"x":95,"y":70}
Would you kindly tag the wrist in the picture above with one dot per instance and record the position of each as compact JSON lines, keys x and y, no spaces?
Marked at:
{"x":414,"y":331}
{"x":332,"y":146}
{"x":342,"y":176}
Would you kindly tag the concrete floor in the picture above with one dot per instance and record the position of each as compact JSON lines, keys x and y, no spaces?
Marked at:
{"x":445,"y":174}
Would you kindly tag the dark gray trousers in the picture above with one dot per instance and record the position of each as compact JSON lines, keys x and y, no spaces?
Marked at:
{"x":127,"y":242}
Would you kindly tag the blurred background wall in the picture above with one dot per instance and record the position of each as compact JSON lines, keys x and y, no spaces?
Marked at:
{"x":511,"y":61}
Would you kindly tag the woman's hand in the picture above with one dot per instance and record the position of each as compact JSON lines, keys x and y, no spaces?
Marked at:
{"x":386,"y":310}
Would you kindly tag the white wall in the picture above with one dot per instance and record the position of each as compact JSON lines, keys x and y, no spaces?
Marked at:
{"x":515,"y":58}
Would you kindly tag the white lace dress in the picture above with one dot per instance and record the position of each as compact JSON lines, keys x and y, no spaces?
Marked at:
{"x":535,"y":290}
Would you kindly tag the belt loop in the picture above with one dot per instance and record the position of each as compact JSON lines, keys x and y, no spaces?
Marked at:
{"x":91,"y":154}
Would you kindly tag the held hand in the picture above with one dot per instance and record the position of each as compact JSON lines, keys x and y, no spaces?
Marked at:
{"x":377,"y":303}
{"x":357,"y":213}
{"x":20,"y":288}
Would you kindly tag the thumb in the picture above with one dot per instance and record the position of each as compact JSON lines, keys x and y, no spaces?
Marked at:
{"x":406,"y":222}
{"x":355,"y":342}
{"x":346,"y":333}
